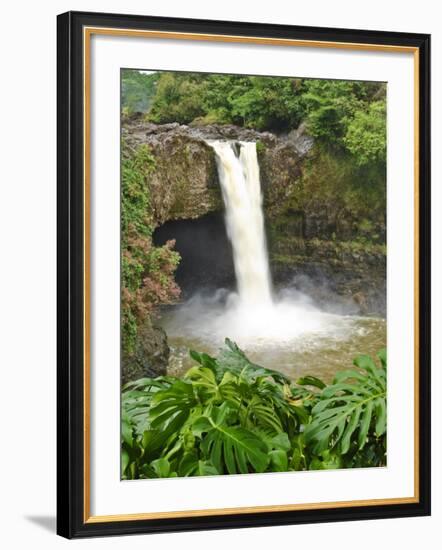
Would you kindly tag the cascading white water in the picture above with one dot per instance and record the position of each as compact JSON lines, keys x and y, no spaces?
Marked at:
{"x":241,"y":189}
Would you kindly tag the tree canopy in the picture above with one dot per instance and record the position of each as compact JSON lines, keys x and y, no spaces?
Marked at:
{"x":137,"y":90}
{"x":349,"y":116}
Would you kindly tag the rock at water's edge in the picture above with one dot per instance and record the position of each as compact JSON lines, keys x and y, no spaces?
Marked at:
{"x":150,"y":358}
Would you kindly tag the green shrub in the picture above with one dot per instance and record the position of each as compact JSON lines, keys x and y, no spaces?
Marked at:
{"x":228,"y":416}
{"x":260,"y":147}
{"x":366,"y":136}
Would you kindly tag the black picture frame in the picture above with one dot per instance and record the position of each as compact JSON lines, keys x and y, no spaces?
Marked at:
{"x":71,"y":389}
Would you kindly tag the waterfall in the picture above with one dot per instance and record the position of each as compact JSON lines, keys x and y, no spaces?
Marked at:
{"x":272,"y":326}
{"x":241,"y":189}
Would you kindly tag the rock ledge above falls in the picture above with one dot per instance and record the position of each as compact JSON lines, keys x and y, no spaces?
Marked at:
{"x":185,"y":183}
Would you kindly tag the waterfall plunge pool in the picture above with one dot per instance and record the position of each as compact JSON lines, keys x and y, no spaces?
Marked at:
{"x":291,"y":335}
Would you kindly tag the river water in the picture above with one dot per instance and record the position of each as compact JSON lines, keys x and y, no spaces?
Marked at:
{"x":295,"y":338}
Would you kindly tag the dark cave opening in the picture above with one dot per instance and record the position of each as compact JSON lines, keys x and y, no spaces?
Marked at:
{"x":206,"y":253}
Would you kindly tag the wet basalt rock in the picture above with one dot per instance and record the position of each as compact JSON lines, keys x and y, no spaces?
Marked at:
{"x":151,"y":355}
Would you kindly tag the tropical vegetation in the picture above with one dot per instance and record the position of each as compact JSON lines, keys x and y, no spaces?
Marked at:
{"x":228,"y":415}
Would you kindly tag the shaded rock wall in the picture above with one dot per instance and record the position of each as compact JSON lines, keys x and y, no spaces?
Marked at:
{"x":184,"y":184}
{"x":151,"y":355}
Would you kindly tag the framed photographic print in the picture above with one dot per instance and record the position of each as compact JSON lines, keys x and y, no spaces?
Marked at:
{"x":243,"y":232}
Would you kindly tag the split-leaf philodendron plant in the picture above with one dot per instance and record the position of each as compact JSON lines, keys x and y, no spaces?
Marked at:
{"x":230,"y":416}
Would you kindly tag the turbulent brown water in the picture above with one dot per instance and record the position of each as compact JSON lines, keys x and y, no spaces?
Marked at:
{"x":283,"y":331}
{"x":322,"y":351}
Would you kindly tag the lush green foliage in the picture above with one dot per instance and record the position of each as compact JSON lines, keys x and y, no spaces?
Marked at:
{"x":351,"y":413}
{"x":345,"y":114}
{"x":179,"y":98}
{"x":366,"y":135}
{"x":137,"y":91}
{"x":257,"y":102}
{"x":146,"y":270}
{"x":228,"y":415}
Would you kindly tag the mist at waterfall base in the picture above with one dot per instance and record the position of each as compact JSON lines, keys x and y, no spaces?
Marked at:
{"x":283,"y":330}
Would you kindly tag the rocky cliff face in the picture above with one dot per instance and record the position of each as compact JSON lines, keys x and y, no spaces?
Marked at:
{"x":151,"y":355}
{"x":185,"y":183}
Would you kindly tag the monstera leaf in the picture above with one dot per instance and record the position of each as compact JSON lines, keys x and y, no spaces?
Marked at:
{"x":137,"y":399}
{"x":232,"y":359}
{"x":229,"y":416}
{"x":230,"y":448}
{"x":172,"y":406}
{"x":191,"y":465}
{"x":351,"y":409}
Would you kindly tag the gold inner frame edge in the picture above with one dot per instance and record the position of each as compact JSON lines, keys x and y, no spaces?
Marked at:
{"x":87,"y":33}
